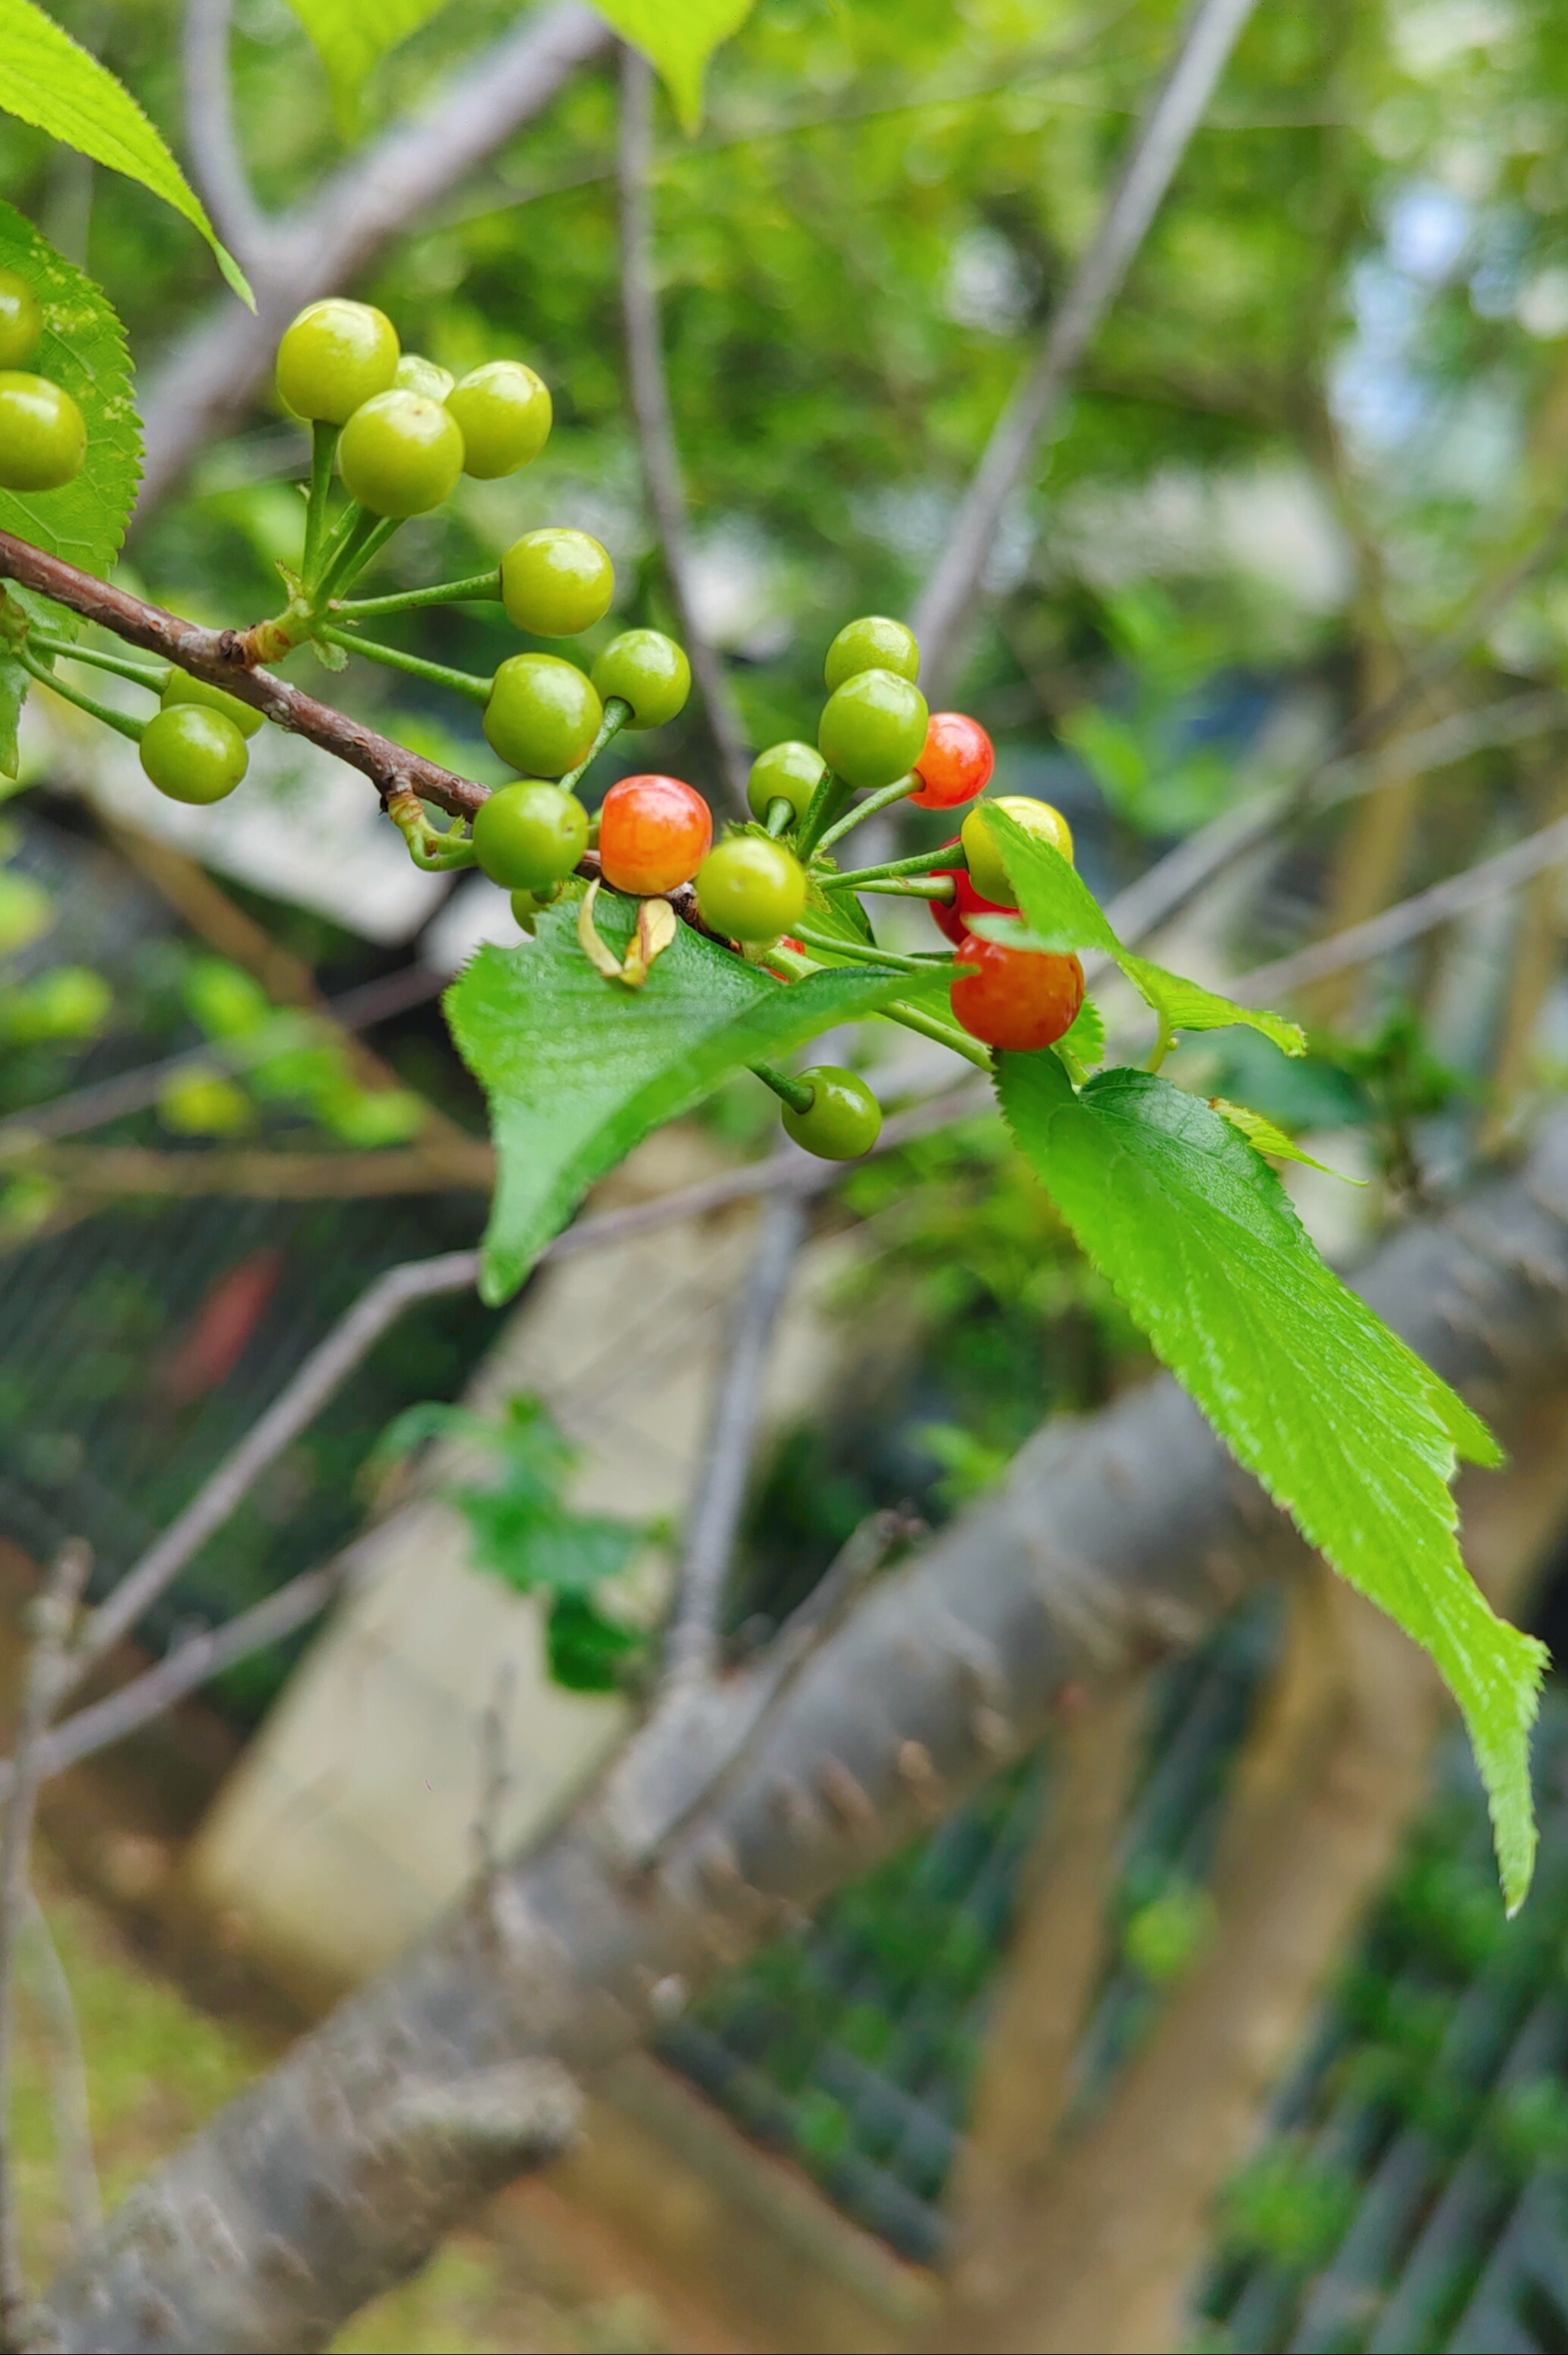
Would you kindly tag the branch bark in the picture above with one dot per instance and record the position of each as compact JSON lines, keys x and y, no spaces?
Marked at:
{"x":211,"y":373}
{"x":1114,"y":1540}
{"x":651,"y":410}
{"x":950,"y":594}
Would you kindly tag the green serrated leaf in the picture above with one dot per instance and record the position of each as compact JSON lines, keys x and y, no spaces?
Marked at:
{"x":1062,"y":915}
{"x":1083,"y":1046}
{"x":14,"y":685}
{"x":578,"y":1070}
{"x":51,"y":81}
{"x":351,"y":37}
{"x":1262,"y":1134}
{"x":1341,"y":1422}
{"x":678,"y":37}
{"x":84,"y":348}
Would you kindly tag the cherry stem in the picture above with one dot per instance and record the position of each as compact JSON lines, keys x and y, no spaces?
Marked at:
{"x":322,"y":451}
{"x":940,"y":887}
{"x":825,"y":805}
{"x":881,"y":799}
{"x":781,"y":815}
{"x":123,"y":724}
{"x":793,"y":1093}
{"x":923,"y":864}
{"x":152,"y":675}
{"x":616,"y":714}
{"x":461,"y":682}
{"x":335,"y":537}
{"x":477,"y":585}
{"x":856,"y":951}
{"x":947,"y":1034}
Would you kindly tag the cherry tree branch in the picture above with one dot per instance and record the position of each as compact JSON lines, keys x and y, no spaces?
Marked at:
{"x":950,"y":594}
{"x":651,"y":410}
{"x":218,"y":165}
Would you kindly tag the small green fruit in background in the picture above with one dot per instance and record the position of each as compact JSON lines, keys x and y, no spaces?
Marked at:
{"x":416,"y":374}
{"x":528,"y":837}
{"x":873,"y":642}
{"x":183,"y":689}
{"x":400,"y":453}
{"x":543,"y":714}
{"x":192,"y":755}
{"x":556,"y":583}
{"x":43,"y":439}
{"x":873,"y":729}
{"x":646,"y":670}
{"x":750,"y":890}
{"x":21,"y":320}
{"x":334,"y":357}
{"x":506,"y":413}
{"x":784,"y":772}
{"x":845,"y":1119}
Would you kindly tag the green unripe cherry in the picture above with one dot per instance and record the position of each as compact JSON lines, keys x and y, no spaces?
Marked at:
{"x":333,"y":357}
{"x":873,"y":642}
{"x":556,"y":583}
{"x":400,"y":453}
{"x":543,"y":714}
{"x":506,"y":413}
{"x":528,"y":907}
{"x":527,"y":837}
{"x":21,"y":320}
{"x":192,"y":755}
{"x":749,"y":889}
{"x":872,"y":729}
{"x":416,"y":374}
{"x":845,"y":1119}
{"x":182,"y":688}
{"x":43,"y":439}
{"x":646,"y":670}
{"x":784,"y":772}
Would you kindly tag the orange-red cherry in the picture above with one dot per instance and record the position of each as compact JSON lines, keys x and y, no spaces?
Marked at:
{"x":952,"y":916}
{"x":1016,"y":998}
{"x":957,"y":763}
{"x":654,"y":833}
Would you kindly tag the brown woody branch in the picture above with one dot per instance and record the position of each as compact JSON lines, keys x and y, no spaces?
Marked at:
{"x":229,"y":659}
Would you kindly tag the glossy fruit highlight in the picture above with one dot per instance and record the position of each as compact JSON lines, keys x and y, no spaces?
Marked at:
{"x":506,"y":413}
{"x":556,"y":583}
{"x":43,"y":439}
{"x":528,"y":837}
{"x":749,"y":889}
{"x":956,"y":762}
{"x":416,"y":374}
{"x":654,"y":833}
{"x":1020,"y":999}
{"x":543,"y":714}
{"x":646,"y":670}
{"x":334,"y":357}
{"x":400,"y":453}
{"x":873,"y":642}
{"x":985,"y":868}
{"x":845,"y":1119}
{"x":784,"y":772}
{"x":192,"y":755}
{"x":872,"y":727}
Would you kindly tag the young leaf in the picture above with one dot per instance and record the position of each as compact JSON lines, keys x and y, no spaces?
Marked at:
{"x":1340,"y":1421}
{"x":677,"y":36}
{"x":578,"y":1070}
{"x":1061,"y":914}
{"x":1265,"y":1137}
{"x":50,"y":81}
{"x":350,"y":36}
{"x":83,"y":349}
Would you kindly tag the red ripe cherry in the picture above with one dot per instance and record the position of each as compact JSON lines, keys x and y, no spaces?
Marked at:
{"x":952,"y":916}
{"x":654,"y":833}
{"x":957,"y":763}
{"x":1016,"y":998}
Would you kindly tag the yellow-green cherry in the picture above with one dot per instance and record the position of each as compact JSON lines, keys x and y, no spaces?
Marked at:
{"x":873,"y":642}
{"x":43,"y":437}
{"x":872,"y":729}
{"x":648,"y":672}
{"x":543,"y":714}
{"x":416,"y":374}
{"x":182,"y":688}
{"x":556,"y":583}
{"x":506,"y":413}
{"x":192,"y":755}
{"x":21,"y":320}
{"x":845,"y":1119}
{"x":530,"y":837}
{"x":334,"y":357}
{"x":749,"y":889}
{"x":784,"y":772}
{"x":400,"y":453}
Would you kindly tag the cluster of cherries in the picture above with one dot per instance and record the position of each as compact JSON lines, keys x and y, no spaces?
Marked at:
{"x":398,"y":431}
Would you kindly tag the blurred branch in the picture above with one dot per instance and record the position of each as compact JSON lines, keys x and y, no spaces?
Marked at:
{"x":260,"y":1175}
{"x":45,"y":1681}
{"x":656,"y":430}
{"x":955,"y":585}
{"x":208,"y":375}
{"x":72,"y":2116}
{"x":692,"y":1640}
{"x":217,"y":163}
